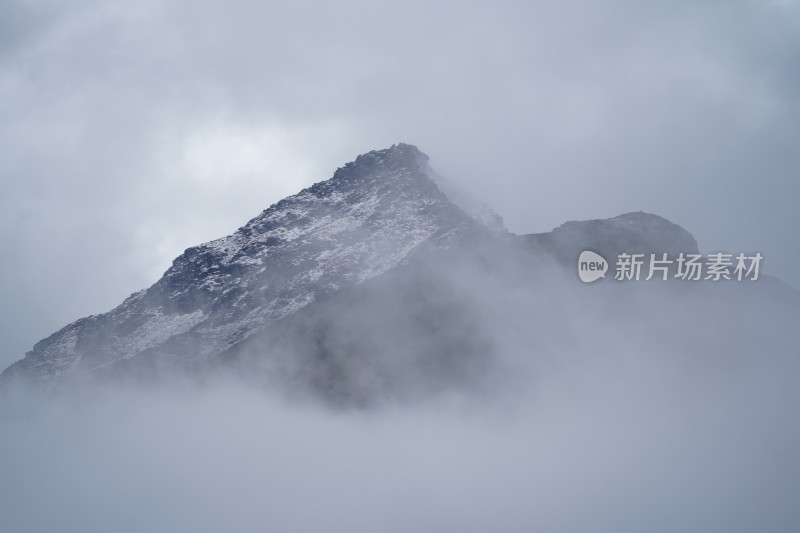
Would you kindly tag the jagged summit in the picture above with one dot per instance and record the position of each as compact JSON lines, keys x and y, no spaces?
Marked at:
{"x":400,"y":154}
{"x":397,"y":156}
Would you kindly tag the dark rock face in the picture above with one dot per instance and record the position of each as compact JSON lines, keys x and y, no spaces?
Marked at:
{"x":368,"y":223}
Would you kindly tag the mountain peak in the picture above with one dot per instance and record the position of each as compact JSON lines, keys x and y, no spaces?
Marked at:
{"x":383,"y":210}
{"x":373,"y":214}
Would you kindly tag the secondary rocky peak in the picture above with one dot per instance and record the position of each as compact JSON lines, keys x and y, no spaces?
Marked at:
{"x":637,"y":232}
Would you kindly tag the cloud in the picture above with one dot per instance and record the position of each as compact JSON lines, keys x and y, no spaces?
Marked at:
{"x":130,"y":131}
{"x":622,"y":444}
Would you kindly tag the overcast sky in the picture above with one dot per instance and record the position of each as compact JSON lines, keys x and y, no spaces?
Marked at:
{"x":132,"y":130}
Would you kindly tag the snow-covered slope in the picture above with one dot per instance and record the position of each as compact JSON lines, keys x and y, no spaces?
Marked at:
{"x":371,"y":215}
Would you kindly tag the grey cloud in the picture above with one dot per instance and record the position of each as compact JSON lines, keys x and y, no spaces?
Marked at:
{"x":598,"y":424}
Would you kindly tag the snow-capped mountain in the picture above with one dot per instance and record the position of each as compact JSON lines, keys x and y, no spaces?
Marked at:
{"x":371,"y":215}
{"x":384,"y":210}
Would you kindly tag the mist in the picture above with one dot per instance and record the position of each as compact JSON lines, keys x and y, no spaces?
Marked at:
{"x":609,"y":408}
